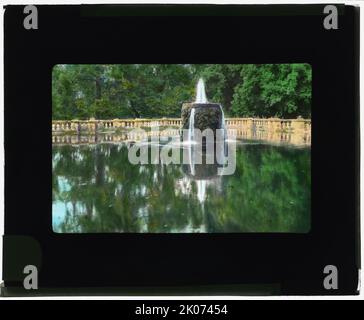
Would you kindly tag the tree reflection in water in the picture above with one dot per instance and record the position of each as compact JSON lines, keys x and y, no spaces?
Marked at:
{"x":96,"y":189}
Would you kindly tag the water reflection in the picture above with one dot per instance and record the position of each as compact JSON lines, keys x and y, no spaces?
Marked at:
{"x":96,"y":189}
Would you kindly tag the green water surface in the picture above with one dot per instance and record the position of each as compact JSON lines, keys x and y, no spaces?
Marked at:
{"x":97,"y":190}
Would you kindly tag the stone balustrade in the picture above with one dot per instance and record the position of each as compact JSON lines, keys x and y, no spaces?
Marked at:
{"x":270,"y":124}
{"x":298,"y":138}
{"x":255,"y":124}
{"x":295,"y":131}
{"x":93,"y":125}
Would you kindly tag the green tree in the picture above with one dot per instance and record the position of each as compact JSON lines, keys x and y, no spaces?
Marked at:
{"x":221,"y":80}
{"x":157,"y":90}
{"x":280,"y":90}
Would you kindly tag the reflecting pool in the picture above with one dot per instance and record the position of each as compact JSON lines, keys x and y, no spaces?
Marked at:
{"x":97,"y":190}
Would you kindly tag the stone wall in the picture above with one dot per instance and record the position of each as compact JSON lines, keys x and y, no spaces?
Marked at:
{"x":91,"y":125}
{"x":298,"y":138}
{"x":271,"y":124}
{"x":254,"y":124}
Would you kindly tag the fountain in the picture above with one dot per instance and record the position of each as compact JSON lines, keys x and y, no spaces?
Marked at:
{"x":202,"y":114}
{"x":191,"y":125}
{"x":200,"y":92}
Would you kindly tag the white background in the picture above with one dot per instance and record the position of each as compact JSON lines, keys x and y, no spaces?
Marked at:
{"x":38,"y":2}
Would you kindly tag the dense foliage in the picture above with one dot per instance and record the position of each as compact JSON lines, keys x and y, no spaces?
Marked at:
{"x":158,"y":90}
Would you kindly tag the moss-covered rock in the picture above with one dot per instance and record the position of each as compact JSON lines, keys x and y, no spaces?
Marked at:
{"x":207,"y":115}
{"x":185,"y":114}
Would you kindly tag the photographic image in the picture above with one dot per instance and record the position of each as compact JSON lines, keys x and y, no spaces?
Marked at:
{"x":181,"y":148}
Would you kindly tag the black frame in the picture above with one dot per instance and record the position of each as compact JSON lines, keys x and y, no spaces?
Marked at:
{"x":266,"y":263}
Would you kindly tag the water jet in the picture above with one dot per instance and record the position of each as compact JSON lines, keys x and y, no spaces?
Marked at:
{"x":202,"y":114}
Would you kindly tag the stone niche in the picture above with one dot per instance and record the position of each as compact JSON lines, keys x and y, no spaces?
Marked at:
{"x":207,"y":115}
